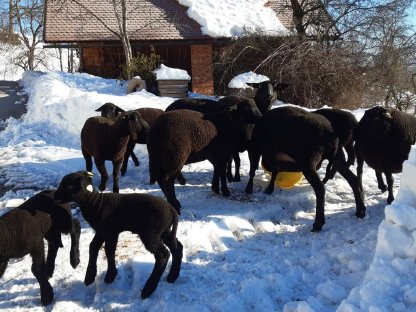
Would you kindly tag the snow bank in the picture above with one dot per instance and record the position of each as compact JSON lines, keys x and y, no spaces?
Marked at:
{"x":231,"y":18}
{"x":390,"y":283}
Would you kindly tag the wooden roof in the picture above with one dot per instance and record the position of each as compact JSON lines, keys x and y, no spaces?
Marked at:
{"x":68,"y":21}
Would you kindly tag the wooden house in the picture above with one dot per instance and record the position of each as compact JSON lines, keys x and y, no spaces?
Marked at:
{"x":164,"y":24}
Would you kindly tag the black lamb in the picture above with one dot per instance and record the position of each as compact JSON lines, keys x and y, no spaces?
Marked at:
{"x":383,"y":138}
{"x":23,"y":229}
{"x":293,"y":139}
{"x":344,"y":123}
{"x":109,"y":214}
{"x":105,"y":139}
{"x":184,"y":136}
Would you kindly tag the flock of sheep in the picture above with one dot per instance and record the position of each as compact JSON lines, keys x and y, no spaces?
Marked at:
{"x":285,"y":139}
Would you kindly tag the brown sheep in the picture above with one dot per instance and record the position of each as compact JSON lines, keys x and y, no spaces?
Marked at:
{"x":104,"y":140}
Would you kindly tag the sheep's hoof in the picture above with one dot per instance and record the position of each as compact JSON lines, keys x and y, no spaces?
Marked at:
{"x":226,"y":192}
{"x":74,"y":261}
{"x":110,"y":276}
{"x":268,"y":191}
{"x":172,"y":277}
{"x":237,"y":178}
{"x":90,"y":277}
{"x":116,"y":189}
{"x":389,"y":200}
{"x":147,"y":291}
{"x":46,"y":295}
{"x":360,"y":214}
{"x":317,"y":227}
{"x":181,"y":179}
{"x":101,"y":187}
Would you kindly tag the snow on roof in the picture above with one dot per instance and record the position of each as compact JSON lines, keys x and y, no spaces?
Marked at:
{"x":165,"y":72}
{"x":234,"y":18}
{"x":239,"y":81}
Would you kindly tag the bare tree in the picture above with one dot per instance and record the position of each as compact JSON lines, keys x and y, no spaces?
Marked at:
{"x":28,"y":15}
{"x":122,"y":10}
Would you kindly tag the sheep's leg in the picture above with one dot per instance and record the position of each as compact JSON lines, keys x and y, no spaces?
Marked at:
{"x":176,"y":249}
{"x":95,"y":246}
{"x":254,"y":165}
{"x":313,"y":178}
{"x":129,"y":152}
{"x":215,"y":183}
{"x":110,"y":252}
{"x":270,"y":187}
{"x":229,"y":170}
{"x":389,"y":179}
{"x":116,"y":175}
{"x":168,"y":188}
{"x":237,"y":163}
{"x":220,"y":174}
{"x":177,"y":255}
{"x":161,"y":254}
{"x":330,"y":169}
{"x":88,"y":161}
{"x":100,"y":164}
{"x":75,"y":235}
{"x":39,"y":271}
{"x":349,"y":149}
{"x":380,"y":182}
{"x":353,"y":181}
{"x":53,"y":246}
{"x":181,"y":179}
{"x":360,"y":164}
{"x":3,"y":266}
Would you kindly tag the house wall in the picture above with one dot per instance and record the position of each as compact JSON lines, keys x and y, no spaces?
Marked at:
{"x":105,"y":61}
{"x":202,"y":69}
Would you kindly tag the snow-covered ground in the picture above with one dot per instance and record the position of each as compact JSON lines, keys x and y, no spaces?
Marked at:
{"x":242,"y":253}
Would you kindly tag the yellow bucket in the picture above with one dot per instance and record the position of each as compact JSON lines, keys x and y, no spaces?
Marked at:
{"x":286,"y":180}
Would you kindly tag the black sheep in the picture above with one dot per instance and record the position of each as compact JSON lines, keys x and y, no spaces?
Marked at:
{"x":184,"y":136}
{"x":109,"y":214}
{"x":292,"y":139}
{"x":23,"y":229}
{"x":383,"y":138}
{"x":344,"y":123}
{"x":265,"y":95}
{"x":105,"y":139}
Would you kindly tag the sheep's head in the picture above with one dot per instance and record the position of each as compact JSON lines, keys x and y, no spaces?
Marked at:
{"x":72,"y":185}
{"x":376,"y":122}
{"x":109,"y":110}
{"x":266,"y":93}
{"x":133,"y":123}
{"x":245,"y":111}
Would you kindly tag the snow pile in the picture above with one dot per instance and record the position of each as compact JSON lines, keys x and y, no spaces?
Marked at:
{"x":390,"y":283}
{"x":239,"y":81}
{"x":231,"y":18}
{"x":164,"y":72}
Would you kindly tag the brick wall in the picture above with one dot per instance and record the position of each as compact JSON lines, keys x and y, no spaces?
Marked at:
{"x":202,"y":70}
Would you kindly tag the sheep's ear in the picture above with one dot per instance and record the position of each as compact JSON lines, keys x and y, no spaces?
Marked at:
{"x":387,"y":115}
{"x":253,"y":84}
